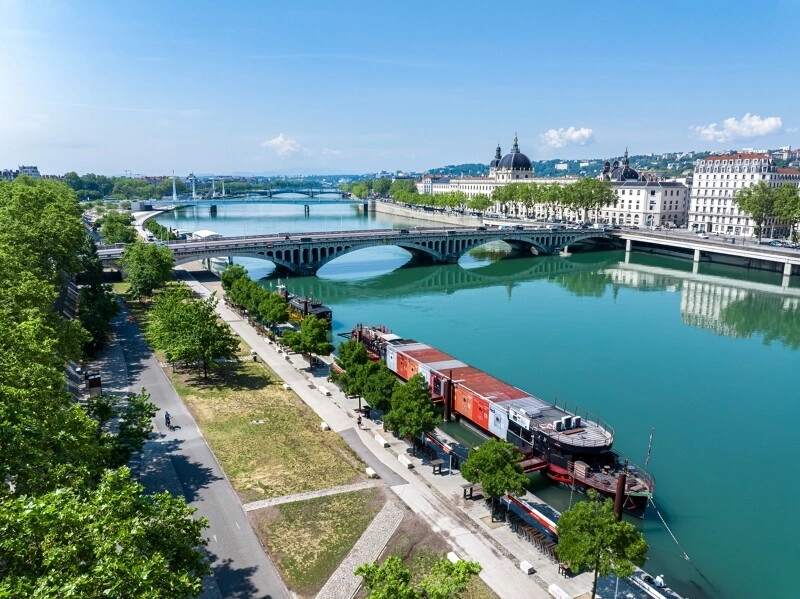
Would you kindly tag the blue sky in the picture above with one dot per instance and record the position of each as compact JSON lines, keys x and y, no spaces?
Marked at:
{"x":355,"y":87}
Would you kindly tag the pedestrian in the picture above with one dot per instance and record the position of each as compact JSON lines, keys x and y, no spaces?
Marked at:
{"x":168,"y":420}
{"x":359,"y":421}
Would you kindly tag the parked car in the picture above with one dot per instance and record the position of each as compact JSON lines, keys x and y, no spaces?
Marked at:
{"x":702,"y":235}
{"x":776,"y":243}
{"x":518,"y":227}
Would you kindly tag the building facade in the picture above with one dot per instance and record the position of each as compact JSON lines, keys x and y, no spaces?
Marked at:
{"x":716,"y":181}
{"x":641,"y":201}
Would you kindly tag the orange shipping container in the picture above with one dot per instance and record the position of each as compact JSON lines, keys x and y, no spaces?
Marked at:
{"x":480,"y":412}
{"x":463,"y":402}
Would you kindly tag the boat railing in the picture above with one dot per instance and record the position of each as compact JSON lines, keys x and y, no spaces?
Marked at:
{"x":586,"y":416}
{"x":634,"y":470}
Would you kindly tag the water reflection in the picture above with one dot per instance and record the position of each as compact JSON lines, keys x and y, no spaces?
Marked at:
{"x":733,"y":308}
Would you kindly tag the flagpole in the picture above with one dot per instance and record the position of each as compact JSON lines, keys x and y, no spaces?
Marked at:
{"x":649,"y":448}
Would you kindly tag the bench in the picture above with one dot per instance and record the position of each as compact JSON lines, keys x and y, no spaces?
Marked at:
{"x":470,"y":488}
{"x":437,"y":466}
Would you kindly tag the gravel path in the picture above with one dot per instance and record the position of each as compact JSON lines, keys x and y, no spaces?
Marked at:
{"x":257,"y":505}
{"x":343,"y":583}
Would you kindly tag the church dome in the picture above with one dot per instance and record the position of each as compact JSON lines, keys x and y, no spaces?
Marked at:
{"x":497,"y":157}
{"x":623,"y":172}
{"x":515,"y":160}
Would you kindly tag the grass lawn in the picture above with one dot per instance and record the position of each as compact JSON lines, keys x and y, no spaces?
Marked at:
{"x":307,"y":540}
{"x":285,"y":453}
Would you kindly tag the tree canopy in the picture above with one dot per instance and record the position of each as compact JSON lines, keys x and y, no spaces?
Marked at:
{"x":412,"y":412}
{"x":188,"y":330}
{"x":312,"y":338}
{"x":589,"y":536}
{"x":147,"y":267}
{"x":495,"y":464}
{"x":759,"y":201}
{"x":112,"y":540}
{"x":393,"y":580}
{"x":71,"y":523}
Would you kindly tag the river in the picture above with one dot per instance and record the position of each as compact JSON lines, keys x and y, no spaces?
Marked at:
{"x":708,"y":359}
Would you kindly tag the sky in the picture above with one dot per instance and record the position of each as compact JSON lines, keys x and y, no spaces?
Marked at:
{"x":323,"y":87}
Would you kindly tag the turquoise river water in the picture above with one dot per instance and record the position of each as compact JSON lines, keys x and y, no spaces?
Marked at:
{"x":708,"y":359}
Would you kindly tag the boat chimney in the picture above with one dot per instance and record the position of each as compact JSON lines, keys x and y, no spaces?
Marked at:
{"x":619,"y":498}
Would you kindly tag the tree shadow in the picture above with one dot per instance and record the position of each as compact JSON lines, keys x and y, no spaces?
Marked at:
{"x":161,"y":459}
{"x":232,"y":582}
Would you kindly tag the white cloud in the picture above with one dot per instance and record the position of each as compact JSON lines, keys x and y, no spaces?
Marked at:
{"x":283,"y":146}
{"x":328,"y":153}
{"x":558,"y":138}
{"x":751,"y":125}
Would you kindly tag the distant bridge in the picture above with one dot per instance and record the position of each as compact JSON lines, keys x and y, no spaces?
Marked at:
{"x":306,"y":253}
{"x":271,"y":193}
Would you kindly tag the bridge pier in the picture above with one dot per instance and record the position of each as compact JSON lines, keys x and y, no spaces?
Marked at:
{"x":787,"y":269}
{"x":629,"y":245}
{"x":696,"y":256}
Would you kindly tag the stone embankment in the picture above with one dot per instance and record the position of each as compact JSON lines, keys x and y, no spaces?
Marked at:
{"x":445,"y":218}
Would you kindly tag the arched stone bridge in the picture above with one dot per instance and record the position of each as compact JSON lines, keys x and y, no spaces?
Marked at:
{"x":306,"y":253}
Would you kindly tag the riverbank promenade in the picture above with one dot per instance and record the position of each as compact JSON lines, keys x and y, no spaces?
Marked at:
{"x":432,"y":492}
{"x":435,"y":495}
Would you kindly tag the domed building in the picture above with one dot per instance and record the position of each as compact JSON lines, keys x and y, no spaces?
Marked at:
{"x":617,"y":172}
{"x":514,"y":165}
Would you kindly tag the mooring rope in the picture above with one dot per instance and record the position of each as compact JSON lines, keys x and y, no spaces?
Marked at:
{"x":674,"y":538}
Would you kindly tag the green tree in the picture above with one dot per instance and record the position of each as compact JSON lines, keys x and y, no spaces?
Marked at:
{"x":381,"y":186}
{"x":480,"y":202}
{"x":758,"y":201}
{"x":117,"y":227}
{"x":589,"y":536}
{"x":274,"y":309}
{"x":787,"y":206}
{"x":495,"y":464}
{"x":591,"y":194}
{"x":379,"y":386}
{"x":188,"y":330}
{"x":393,"y":580}
{"x":312,"y":338}
{"x":147,"y":267}
{"x":109,"y":541}
{"x":351,"y":359}
{"x":135,"y":414}
{"x":232,"y":274}
{"x":412,"y":412}
{"x":41,"y":220}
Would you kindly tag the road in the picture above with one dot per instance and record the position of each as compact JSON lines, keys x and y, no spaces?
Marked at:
{"x":181,"y":461}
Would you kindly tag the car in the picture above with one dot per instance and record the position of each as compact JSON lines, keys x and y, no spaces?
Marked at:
{"x":776,"y":243}
{"x":714,"y":233}
{"x":403,"y":231}
{"x":634,"y":227}
{"x":518,"y":227}
{"x":480,"y":228}
{"x":702,"y":235}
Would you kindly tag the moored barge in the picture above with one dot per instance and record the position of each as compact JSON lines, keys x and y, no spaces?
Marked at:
{"x":300,"y":306}
{"x":569,"y":446}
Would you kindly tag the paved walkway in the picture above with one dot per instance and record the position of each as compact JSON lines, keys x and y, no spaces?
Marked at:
{"x":257,"y":505}
{"x":343,"y":583}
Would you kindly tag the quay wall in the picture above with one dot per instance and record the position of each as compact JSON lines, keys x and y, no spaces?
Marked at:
{"x":389,"y":207}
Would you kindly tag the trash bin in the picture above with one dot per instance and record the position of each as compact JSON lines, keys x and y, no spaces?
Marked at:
{"x":366,"y":411}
